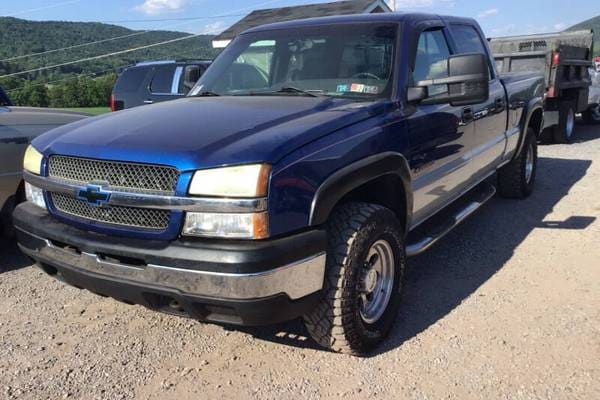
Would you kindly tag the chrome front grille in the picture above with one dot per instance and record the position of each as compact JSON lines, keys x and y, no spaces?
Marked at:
{"x":114,"y":215}
{"x":114,"y":175}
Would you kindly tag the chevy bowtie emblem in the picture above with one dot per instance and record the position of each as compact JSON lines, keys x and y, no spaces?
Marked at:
{"x":94,"y":195}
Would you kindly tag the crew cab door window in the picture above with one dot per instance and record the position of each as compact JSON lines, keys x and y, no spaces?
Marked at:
{"x":431,"y":61}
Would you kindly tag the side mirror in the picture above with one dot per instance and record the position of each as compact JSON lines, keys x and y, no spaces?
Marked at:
{"x":467,"y":83}
{"x":191,"y":76}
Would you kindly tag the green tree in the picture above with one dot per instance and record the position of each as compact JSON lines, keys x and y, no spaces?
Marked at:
{"x":31,"y":94}
{"x":56,"y":96}
{"x":72,"y":97}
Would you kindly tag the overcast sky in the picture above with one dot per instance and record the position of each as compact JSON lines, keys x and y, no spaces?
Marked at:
{"x":498,"y":18}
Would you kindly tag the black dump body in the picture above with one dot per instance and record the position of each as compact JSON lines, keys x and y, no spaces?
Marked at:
{"x":564,"y":59}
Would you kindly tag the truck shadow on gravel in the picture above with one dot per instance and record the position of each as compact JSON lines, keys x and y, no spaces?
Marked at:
{"x":442,"y":278}
{"x":11,"y":257}
{"x":586,"y":133}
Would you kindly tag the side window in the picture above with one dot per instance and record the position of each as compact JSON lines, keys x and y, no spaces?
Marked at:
{"x":431,"y":61}
{"x":468,"y":41}
{"x":179,"y":79}
{"x":131,"y":80}
{"x":162,"y":80}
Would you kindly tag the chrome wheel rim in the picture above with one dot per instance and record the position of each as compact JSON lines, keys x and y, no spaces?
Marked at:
{"x":529,"y":160}
{"x":376,"y":281}
{"x":570,"y":123}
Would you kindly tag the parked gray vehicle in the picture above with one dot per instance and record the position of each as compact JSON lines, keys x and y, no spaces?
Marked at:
{"x":18,"y":126}
{"x":563,"y":58}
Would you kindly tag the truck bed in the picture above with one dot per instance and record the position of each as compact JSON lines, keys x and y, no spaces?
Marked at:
{"x":566,"y":71}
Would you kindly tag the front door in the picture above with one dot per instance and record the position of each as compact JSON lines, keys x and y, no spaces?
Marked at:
{"x":490,"y":116}
{"x":440,"y":135}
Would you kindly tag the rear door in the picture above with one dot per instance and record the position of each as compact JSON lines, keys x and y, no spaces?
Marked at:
{"x":490,"y":117}
{"x":131,"y":87}
{"x":164,"y":85}
{"x":440,"y":135}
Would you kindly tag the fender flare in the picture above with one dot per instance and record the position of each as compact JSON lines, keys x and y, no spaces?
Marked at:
{"x":537,"y":103}
{"x":344,"y":180}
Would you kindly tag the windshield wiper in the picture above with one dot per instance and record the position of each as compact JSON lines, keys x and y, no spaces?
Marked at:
{"x":291,"y":89}
{"x":206,"y":93}
{"x":284,"y":89}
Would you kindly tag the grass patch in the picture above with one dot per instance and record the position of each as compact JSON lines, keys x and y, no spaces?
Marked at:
{"x":90,"y":110}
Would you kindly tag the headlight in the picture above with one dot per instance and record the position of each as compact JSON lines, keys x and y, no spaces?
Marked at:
{"x":32,"y":162}
{"x":239,"y":181}
{"x":35,"y":195}
{"x":232,"y":226}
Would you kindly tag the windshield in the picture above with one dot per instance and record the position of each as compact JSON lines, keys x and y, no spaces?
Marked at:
{"x":335,"y":60}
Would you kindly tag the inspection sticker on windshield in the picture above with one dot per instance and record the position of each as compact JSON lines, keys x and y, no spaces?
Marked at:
{"x":360,"y":88}
{"x":357,"y":88}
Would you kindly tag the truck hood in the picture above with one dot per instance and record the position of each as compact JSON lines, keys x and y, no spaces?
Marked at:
{"x":204,"y":132}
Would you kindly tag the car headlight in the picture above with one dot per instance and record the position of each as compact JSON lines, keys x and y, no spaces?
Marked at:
{"x":32,"y":161}
{"x":35,"y":195}
{"x":225,"y":225}
{"x":244,"y":181}
{"x":239,"y":181}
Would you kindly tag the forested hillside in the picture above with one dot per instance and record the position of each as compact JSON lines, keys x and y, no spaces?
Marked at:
{"x":21,"y":37}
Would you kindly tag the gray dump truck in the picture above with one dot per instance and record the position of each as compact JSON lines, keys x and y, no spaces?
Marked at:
{"x":565,"y":59}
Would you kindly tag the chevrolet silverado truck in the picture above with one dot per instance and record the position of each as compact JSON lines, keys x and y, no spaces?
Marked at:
{"x":310,"y":160}
{"x":18,"y":126}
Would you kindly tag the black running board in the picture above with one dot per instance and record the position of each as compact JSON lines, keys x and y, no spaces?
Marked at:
{"x":435,"y":228}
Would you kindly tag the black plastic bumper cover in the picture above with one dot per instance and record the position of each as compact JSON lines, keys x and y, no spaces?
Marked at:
{"x":239,"y":257}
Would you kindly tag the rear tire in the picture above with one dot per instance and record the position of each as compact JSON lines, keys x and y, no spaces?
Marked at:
{"x":359,"y":306}
{"x":591,"y":116}
{"x":516,"y":179}
{"x":563,"y":133}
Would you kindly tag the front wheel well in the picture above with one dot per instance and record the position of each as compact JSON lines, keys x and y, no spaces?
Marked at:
{"x":387,"y":191}
{"x":535,"y":122}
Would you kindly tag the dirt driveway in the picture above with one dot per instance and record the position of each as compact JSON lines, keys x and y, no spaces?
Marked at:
{"x":506,"y":307}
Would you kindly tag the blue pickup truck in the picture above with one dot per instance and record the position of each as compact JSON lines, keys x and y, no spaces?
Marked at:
{"x":307,"y":164}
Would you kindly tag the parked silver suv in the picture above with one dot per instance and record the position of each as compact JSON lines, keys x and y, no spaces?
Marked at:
{"x":18,"y":126}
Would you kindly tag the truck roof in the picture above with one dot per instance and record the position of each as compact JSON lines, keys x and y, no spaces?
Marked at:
{"x":358,"y":18}
{"x":163,"y":62}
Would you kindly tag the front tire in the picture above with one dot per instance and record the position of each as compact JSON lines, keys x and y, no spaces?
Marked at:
{"x":363,"y":282}
{"x":516,"y":179}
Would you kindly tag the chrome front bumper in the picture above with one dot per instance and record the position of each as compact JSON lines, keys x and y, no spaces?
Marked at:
{"x":296,"y":280}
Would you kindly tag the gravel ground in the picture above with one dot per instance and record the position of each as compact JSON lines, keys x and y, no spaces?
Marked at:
{"x":506,"y":307}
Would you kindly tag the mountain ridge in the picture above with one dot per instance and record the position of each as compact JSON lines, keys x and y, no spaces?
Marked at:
{"x":20,"y":37}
